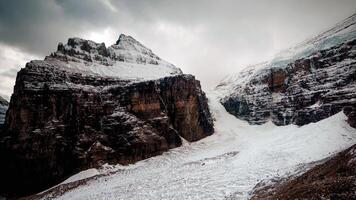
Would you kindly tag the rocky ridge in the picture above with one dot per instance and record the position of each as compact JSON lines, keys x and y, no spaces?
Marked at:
{"x":304,"y":84}
{"x":84,"y":106}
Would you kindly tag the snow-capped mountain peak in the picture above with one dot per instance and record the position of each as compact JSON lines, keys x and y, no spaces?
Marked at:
{"x":127,"y":42}
{"x":126,"y":59}
{"x":127,"y":49}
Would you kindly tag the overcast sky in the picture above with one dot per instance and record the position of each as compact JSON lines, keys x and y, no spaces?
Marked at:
{"x":207,"y":38}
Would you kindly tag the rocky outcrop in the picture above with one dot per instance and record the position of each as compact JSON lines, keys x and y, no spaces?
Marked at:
{"x":63,"y":119}
{"x":3,"y":107}
{"x":350,"y":112}
{"x":334,"y":179}
{"x":304,"y":84}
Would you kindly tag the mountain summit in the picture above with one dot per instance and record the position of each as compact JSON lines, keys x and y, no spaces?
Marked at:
{"x":126,"y":59}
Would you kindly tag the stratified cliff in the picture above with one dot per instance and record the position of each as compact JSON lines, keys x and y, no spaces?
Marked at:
{"x":86,"y":105}
{"x":304,"y":84}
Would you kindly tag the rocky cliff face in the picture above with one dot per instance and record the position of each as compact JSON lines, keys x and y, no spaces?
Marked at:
{"x":81,"y":108}
{"x":304,"y":84}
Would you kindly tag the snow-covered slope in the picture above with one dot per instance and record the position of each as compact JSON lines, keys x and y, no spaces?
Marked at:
{"x":225,"y":165}
{"x":126,"y":59}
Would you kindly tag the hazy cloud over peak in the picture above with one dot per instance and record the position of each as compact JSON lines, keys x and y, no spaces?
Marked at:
{"x":204,"y":37}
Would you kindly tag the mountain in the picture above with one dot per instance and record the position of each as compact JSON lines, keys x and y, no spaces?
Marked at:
{"x":86,"y":105}
{"x":303,"y":84}
{"x":87,"y":123}
{"x":311,"y":82}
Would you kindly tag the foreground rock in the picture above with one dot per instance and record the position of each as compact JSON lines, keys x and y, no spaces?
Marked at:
{"x":81,"y":108}
{"x":335,"y":179}
{"x":304,"y":84}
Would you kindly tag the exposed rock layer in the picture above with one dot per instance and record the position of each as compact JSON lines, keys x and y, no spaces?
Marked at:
{"x":60,"y":122}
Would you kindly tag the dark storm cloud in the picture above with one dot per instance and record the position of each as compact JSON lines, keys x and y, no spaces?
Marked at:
{"x":37,"y":25}
{"x":199,"y":36}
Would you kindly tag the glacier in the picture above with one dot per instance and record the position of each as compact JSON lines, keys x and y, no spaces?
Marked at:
{"x":226,"y":165}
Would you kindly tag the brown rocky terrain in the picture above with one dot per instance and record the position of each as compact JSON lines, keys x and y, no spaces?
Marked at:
{"x":62,"y":121}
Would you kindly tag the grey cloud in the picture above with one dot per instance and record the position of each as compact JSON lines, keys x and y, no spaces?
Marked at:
{"x":36,"y":26}
{"x":10,"y":73}
{"x":199,"y":36}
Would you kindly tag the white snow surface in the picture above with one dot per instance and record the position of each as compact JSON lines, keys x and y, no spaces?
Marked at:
{"x":124,"y":70}
{"x":82,"y":175}
{"x":231,"y":161}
